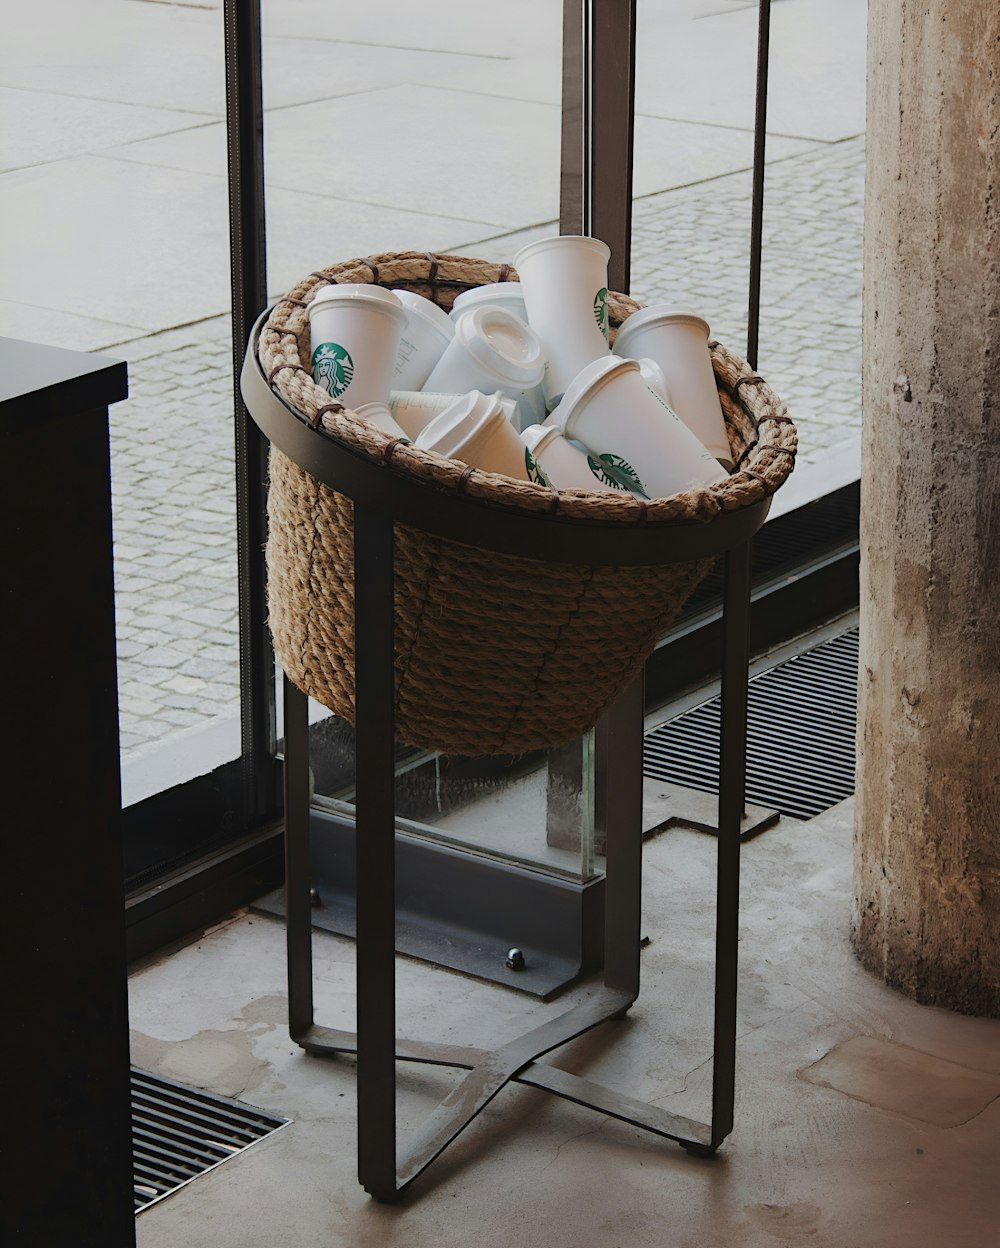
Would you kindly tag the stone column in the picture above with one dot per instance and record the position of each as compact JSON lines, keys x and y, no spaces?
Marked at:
{"x":927,"y":836}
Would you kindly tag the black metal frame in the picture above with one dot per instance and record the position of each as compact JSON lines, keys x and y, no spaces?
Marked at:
{"x":248,"y":271}
{"x":381,"y":500}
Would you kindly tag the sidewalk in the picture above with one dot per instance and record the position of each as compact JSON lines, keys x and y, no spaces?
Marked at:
{"x":386,"y":128}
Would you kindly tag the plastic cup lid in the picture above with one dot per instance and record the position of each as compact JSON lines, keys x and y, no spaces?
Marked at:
{"x":451,"y":429}
{"x":503,"y":344}
{"x":538,"y":437}
{"x":562,"y":240}
{"x":492,"y":292}
{"x":657,"y":316}
{"x":586,"y":383}
{"x":356,"y":292}
{"x":428,"y":311}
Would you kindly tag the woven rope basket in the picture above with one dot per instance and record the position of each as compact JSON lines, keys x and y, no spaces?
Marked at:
{"x":495,"y":654}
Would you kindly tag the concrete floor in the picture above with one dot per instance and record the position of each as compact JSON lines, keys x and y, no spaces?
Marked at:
{"x":861,"y":1118}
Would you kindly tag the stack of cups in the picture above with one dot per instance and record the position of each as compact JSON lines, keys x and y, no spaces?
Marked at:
{"x":475,"y":429}
{"x":564,"y":281}
{"x":678,"y":342}
{"x":492,"y":350}
{"x":620,"y":420}
{"x":354,"y":333}
{"x":464,"y":385}
{"x":506,"y":295}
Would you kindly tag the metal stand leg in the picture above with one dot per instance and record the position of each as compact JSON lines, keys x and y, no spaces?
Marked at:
{"x":375,"y":698}
{"x":732,"y":785}
{"x":619,"y":744}
{"x":619,"y":753}
{"x":298,"y":904}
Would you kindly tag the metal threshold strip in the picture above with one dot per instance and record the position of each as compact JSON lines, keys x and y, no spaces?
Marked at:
{"x":801,"y":721}
{"x":179,"y":1133}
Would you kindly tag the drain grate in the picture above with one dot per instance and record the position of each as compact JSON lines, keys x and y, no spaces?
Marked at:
{"x":180,"y":1132}
{"x":801,"y":719}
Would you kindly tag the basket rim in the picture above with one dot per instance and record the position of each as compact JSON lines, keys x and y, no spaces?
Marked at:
{"x":757,"y":419}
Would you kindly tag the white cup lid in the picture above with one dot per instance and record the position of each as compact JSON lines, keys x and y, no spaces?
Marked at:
{"x":492,"y":292}
{"x":357,"y":292}
{"x":587,"y":382}
{"x":460,"y":421}
{"x":501,"y":342}
{"x":538,"y":437}
{"x":428,"y":311}
{"x":645,"y":317}
{"x":562,"y":240}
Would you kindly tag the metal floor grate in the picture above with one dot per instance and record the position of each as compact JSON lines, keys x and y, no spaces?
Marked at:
{"x":801,"y":720}
{"x":180,"y":1132}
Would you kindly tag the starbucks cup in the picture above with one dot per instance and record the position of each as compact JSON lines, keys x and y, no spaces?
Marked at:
{"x":505,"y":295}
{"x":531,"y":408}
{"x":678,"y":342}
{"x":610,"y":409}
{"x":653,"y":376}
{"x":427,"y":333}
{"x":413,"y":409}
{"x":567,"y":467}
{"x":564,"y":281}
{"x":354,"y":334}
{"x":379,"y":414}
{"x":475,"y":430}
{"x":492,"y":350}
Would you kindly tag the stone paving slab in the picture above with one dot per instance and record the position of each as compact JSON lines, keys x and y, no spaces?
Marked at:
{"x":38,"y":128}
{"x":705,"y":70}
{"x":152,"y":242}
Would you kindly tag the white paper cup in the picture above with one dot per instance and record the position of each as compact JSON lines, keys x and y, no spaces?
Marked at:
{"x":506,"y":295}
{"x":531,"y":408}
{"x":379,"y":415}
{"x":492,"y":350}
{"x":427,"y":332}
{"x":678,"y":342}
{"x":567,"y":466}
{"x":353,"y":336}
{"x":414,"y":409}
{"x":475,"y":430}
{"x":610,"y":409}
{"x":564,"y":281}
{"x":653,"y":376}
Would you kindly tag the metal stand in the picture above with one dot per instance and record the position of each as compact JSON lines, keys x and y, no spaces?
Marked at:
{"x":379,"y":503}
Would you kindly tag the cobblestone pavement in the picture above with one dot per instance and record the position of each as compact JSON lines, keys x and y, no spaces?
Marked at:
{"x":172,"y":442}
{"x":175,"y":537}
{"x":691,"y":247}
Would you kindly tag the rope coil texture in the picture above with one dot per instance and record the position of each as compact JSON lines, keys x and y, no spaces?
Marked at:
{"x":566,"y":639}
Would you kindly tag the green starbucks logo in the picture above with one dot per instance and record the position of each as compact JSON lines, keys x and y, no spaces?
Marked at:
{"x":601,"y":310}
{"x":614,"y":471}
{"x":332,"y":368}
{"x":534,"y":472}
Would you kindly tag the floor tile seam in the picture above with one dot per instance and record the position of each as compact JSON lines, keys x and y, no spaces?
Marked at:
{"x":811,"y":139}
{"x":199,"y":324}
{"x":415,"y":212}
{"x":272,"y":185}
{"x":786,"y":163}
{"x":326,"y":99}
{"x":105,"y":152}
{"x":312,"y":37}
{"x":100,"y":320}
{"x":98,"y":99}
{"x":895,"y":1111}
